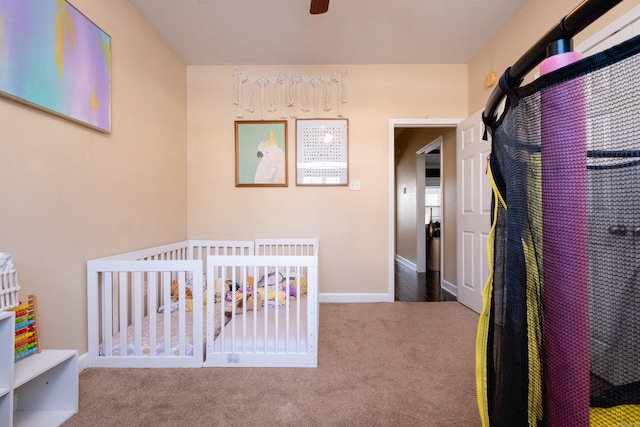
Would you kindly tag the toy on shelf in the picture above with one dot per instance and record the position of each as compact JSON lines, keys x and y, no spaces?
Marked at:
{"x":26,"y":339}
{"x":9,"y":286}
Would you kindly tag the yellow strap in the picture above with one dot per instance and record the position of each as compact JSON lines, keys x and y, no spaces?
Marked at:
{"x":483,"y":322}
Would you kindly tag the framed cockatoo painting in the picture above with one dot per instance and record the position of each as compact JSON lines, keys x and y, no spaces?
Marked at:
{"x":261,"y":153}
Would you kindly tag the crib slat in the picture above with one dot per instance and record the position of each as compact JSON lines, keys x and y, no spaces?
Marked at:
{"x":298,"y":328}
{"x":107,"y":312}
{"x":93,"y":310}
{"x":181,"y":315}
{"x":222,"y":275}
{"x":166,"y":289}
{"x":276,"y":306}
{"x":266,"y":308}
{"x":123,"y":311}
{"x":255,"y":317}
{"x":288,"y":303}
{"x":137,"y":312}
{"x":234,"y":281}
{"x":197,"y":336}
{"x":211,"y":296}
{"x":152,"y":308}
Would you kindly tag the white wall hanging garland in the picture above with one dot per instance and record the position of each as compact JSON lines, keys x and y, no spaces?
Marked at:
{"x":286,"y":92}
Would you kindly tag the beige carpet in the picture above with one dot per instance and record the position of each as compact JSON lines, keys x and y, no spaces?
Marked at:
{"x":384,"y":364}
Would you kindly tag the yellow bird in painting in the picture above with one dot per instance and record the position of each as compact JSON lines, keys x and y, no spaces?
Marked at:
{"x":271,"y":165}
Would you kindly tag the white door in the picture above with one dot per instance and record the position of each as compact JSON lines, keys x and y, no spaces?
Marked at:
{"x":474,"y":210}
{"x":622,"y":29}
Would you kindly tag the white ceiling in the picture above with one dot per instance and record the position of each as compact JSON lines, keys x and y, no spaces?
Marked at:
{"x":279,"y":32}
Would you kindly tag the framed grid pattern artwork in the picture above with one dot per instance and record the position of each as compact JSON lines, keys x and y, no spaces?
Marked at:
{"x":322,"y":152}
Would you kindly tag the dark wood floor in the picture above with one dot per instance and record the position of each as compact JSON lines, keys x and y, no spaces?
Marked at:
{"x":412,"y":286}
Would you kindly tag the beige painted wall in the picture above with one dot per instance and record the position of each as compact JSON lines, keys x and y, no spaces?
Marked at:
{"x":353,"y":226}
{"x":70,"y":193}
{"x":407,"y":143}
{"x":523,"y":31}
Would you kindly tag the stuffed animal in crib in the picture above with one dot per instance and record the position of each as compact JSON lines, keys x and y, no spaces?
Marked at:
{"x":290,"y":288}
{"x":175,"y":291}
{"x":239,"y":289}
{"x":271,"y":279}
{"x":175,"y":296}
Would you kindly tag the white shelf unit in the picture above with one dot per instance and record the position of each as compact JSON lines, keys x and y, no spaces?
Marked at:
{"x":41,"y":389}
{"x":7,"y":331}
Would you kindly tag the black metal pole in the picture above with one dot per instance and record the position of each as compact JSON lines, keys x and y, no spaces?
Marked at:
{"x":577,"y":20}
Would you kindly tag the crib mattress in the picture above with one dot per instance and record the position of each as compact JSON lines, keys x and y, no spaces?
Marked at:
{"x":159,"y":350}
{"x":238,"y":334}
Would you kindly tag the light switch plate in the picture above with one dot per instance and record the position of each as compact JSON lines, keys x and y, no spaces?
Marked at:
{"x":354,"y":185}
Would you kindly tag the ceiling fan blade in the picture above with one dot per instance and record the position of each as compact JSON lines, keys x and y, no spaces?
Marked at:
{"x":319,"y":6}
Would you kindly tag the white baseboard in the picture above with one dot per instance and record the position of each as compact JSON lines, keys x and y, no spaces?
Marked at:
{"x":406,"y":263}
{"x":450,"y":287}
{"x":82,"y":362}
{"x":353,"y":298}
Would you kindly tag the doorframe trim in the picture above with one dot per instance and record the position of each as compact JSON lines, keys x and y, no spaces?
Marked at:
{"x":403,"y":123}
{"x":421,"y":250}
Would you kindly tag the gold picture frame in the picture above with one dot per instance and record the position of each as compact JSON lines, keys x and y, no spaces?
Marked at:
{"x":261,"y":153}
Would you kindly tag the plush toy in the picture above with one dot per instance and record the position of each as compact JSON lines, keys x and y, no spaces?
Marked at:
{"x":239,"y":290}
{"x":175,"y":291}
{"x":273,"y":297}
{"x":271,"y":279}
{"x":237,"y":305}
{"x":290,"y":288}
{"x":230,"y":285}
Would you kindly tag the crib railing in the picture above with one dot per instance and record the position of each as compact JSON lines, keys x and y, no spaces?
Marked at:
{"x":124,"y":297}
{"x":125,"y":292}
{"x":271,"y":322}
{"x":296,"y":247}
{"x":171,"y":251}
{"x":201,"y":249}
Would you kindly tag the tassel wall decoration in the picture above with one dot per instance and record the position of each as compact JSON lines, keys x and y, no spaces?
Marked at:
{"x":279,"y":93}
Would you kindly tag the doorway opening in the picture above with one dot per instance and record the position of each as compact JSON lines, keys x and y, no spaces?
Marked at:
{"x":407,"y":197}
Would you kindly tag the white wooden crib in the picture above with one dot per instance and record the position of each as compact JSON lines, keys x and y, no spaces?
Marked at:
{"x":196,"y":295}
